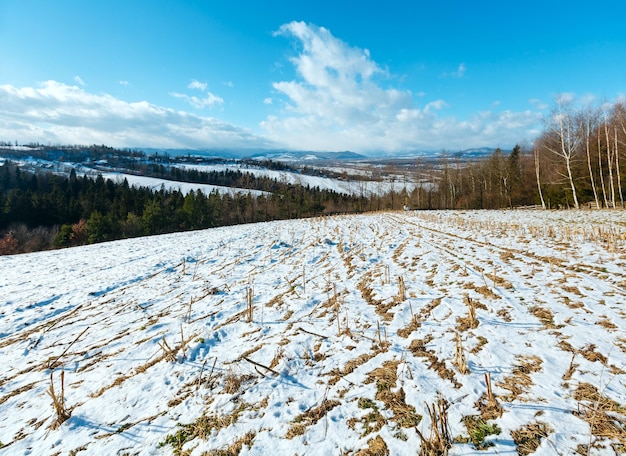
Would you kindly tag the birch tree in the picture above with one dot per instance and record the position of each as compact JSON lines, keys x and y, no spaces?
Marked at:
{"x":589,"y":122}
{"x":537,"y":168}
{"x":564,"y":132}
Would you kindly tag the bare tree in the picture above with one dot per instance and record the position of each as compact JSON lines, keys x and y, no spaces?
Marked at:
{"x":537,"y":168}
{"x":619,"y":177}
{"x":619,"y":121}
{"x":590,"y":121}
{"x":600,"y":171}
{"x":564,"y":131}
{"x":609,"y":158}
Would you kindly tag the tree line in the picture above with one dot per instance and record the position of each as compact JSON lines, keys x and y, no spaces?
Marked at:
{"x":44,"y":210}
{"x":577,"y":160}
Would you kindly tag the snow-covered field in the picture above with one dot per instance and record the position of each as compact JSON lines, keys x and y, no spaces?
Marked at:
{"x":345,"y":186}
{"x":339,"y":335}
{"x":156,"y":183}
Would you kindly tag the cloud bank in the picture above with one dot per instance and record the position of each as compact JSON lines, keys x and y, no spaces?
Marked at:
{"x":56,"y":113}
{"x":339,"y":101}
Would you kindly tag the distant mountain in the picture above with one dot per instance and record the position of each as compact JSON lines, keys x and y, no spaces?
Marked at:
{"x":276,"y":155}
{"x":309,"y":155}
{"x":476,"y":152}
{"x":479,"y":151}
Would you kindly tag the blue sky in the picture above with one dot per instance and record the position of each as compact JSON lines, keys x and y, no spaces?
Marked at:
{"x":371,"y":77}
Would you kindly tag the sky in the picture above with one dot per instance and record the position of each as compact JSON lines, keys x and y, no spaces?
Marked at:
{"x":369,"y":77}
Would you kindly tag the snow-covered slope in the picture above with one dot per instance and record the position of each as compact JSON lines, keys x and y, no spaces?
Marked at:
{"x":345,"y":186}
{"x":323,"y":336}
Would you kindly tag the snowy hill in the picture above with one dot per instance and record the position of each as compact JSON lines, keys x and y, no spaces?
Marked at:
{"x":343,"y":335}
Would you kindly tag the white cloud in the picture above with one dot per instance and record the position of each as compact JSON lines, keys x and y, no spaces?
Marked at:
{"x":57,"y":113}
{"x":587,"y":99}
{"x":194,"y":84}
{"x":538,"y":104}
{"x":459,"y":73}
{"x":79,"y":80}
{"x":341,"y":100}
{"x":124,"y":83}
{"x":208,"y":101}
{"x":565,"y":97}
{"x":437,"y":104}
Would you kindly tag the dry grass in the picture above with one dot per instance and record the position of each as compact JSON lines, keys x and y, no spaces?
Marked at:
{"x":482,"y":341}
{"x":590,"y":354}
{"x":418,"y":348}
{"x":621,"y":343}
{"x":416,"y":320}
{"x":606,"y":417}
{"x":233,"y":382}
{"x":373,"y":421}
{"x":202,"y":429}
{"x":505,"y":315}
{"x":375,"y":447}
{"x":407,"y":330}
{"x":350,"y":366}
{"x":367,"y":292}
{"x":234,"y":448}
{"x":386,"y":378}
{"x":606,"y":323}
{"x":484,"y":290}
{"x":528,"y":437}
{"x":519,"y":381}
{"x":169,"y":353}
{"x":310,"y":417}
{"x":544,"y":315}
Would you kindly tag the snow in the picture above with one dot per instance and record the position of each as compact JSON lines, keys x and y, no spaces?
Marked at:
{"x":330,"y":322}
{"x":347,"y":186}
{"x":155,"y":183}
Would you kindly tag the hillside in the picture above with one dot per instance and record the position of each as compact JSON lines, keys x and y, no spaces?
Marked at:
{"x":355,"y":335}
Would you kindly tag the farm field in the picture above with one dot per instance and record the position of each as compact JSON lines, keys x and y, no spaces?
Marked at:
{"x":499,"y":332}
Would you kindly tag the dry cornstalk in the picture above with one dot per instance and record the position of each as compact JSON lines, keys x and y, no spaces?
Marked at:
{"x":58,"y":401}
{"x":460,"y":361}
{"x":250,"y":300}
{"x":182,"y":342}
{"x":401,"y":289}
{"x":439,"y":441}
{"x":169,"y":353}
